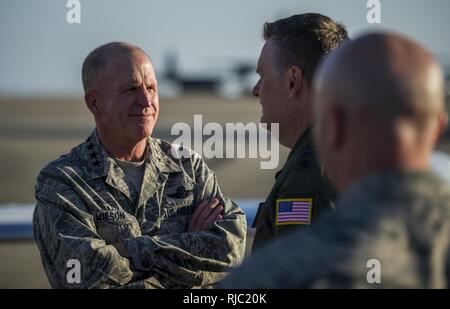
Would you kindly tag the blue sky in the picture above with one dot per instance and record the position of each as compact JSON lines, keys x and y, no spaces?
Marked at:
{"x":41,"y":54}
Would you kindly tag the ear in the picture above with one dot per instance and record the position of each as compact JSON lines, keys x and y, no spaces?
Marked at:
{"x":91,"y":99}
{"x":295,"y":80}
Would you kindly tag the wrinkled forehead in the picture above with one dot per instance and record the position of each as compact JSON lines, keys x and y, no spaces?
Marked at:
{"x":128,"y":61}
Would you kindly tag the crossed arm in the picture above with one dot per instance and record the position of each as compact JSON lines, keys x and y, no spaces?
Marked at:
{"x":204,"y":215}
{"x":64,"y":229}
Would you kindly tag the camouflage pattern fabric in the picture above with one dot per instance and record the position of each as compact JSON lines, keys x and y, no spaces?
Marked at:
{"x":85,"y":204}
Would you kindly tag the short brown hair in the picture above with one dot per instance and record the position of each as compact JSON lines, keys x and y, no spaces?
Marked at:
{"x":304,"y":40}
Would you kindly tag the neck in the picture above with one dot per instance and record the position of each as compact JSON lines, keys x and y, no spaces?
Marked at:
{"x":299,"y":120}
{"x":292,"y":137}
{"x":379,"y":167}
{"x":393,"y":155}
{"x":122,"y":150}
{"x":293,"y":131}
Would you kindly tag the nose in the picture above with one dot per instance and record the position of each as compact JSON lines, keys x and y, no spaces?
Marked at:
{"x":145,"y":98}
{"x":255,"y":90}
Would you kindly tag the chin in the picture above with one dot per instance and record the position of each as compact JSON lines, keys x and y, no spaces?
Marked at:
{"x":146,"y":133}
{"x":142,"y":133}
{"x":267,"y":122}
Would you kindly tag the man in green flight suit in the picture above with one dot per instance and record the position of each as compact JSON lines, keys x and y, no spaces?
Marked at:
{"x":124,"y":209}
{"x":293,"y":48}
{"x":380,"y":110}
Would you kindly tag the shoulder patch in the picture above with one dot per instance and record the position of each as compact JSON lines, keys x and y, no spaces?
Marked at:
{"x":294,"y":211}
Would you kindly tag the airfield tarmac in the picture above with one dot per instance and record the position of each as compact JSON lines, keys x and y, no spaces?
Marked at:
{"x":36,"y":131}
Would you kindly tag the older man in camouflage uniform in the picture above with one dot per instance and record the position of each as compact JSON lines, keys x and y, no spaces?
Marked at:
{"x":379,"y":113}
{"x":124,"y":205}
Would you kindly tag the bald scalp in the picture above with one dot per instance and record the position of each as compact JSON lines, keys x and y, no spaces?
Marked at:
{"x":384,"y":75}
{"x":102,"y":57}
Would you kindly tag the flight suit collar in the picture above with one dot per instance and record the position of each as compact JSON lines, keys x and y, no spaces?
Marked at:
{"x":305,"y":141}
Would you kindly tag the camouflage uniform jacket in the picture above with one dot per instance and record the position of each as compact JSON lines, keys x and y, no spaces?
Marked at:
{"x":85,"y":204}
{"x":390,"y":230}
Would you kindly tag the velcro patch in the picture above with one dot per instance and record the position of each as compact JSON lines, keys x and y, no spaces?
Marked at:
{"x":294,"y":211}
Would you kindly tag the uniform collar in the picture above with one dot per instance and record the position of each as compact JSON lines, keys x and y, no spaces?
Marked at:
{"x":100,"y":163}
{"x":390,"y":183}
{"x":305,"y":141}
{"x":97,"y":159}
{"x":158,"y":163}
{"x":159,"y":153}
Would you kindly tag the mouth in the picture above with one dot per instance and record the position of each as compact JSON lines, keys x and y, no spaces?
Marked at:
{"x":142,"y":115}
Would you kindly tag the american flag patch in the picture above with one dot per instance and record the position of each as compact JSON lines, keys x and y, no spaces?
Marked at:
{"x":294,"y":211}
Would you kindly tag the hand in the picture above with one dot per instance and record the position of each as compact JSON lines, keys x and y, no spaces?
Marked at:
{"x":205,"y":214}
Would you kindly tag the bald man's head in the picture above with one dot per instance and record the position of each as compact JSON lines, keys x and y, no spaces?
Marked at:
{"x":102,"y":57}
{"x":384,"y":93}
{"x":385,"y":74}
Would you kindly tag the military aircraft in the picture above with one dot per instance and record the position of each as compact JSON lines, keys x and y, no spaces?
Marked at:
{"x":229,"y":78}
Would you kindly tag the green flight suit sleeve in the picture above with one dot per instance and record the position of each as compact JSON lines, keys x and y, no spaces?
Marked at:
{"x":322,"y":200}
{"x":301,"y":179}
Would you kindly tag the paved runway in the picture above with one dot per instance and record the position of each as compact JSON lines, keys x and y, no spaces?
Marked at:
{"x":33,"y":132}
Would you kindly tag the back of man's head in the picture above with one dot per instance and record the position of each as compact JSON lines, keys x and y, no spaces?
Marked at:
{"x":303,"y":40}
{"x":379,"y":106}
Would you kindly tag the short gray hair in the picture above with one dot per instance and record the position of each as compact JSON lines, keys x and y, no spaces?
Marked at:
{"x":98,"y":59}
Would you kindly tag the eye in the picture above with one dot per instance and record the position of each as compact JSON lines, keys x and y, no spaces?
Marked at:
{"x":130,"y":89}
